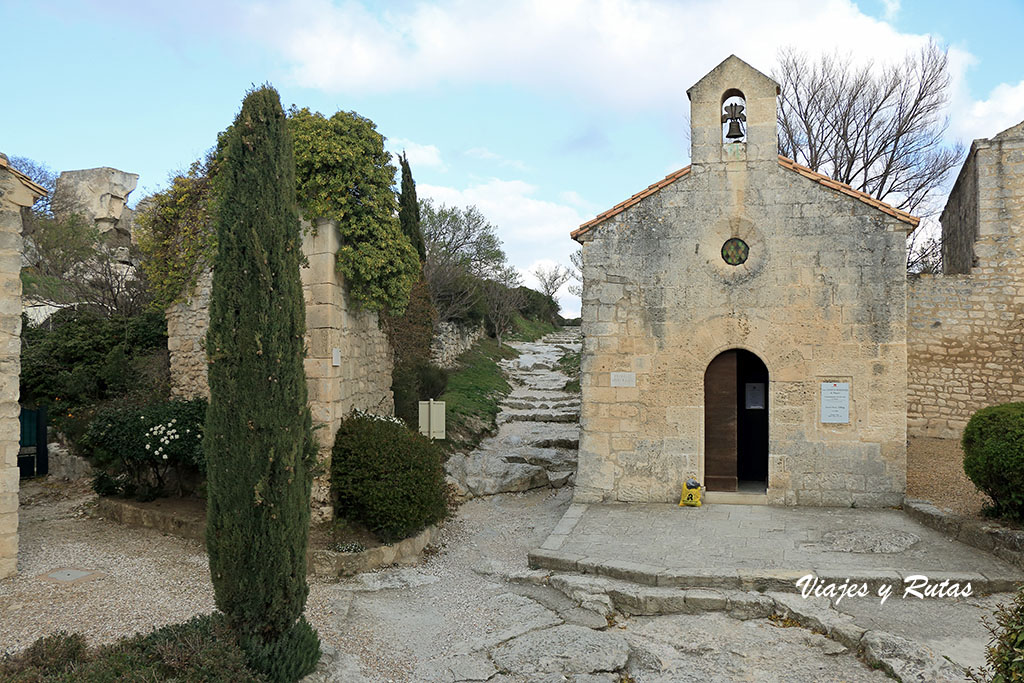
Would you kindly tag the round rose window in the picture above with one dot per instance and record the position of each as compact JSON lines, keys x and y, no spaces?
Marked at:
{"x":735,"y":251}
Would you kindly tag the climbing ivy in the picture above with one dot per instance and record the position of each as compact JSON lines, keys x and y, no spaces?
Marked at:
{"x":343,"y":173}
{"x":176,"y":233}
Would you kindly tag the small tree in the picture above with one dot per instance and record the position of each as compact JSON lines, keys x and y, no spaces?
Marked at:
{"x":503,"y":298}
{"x":462,"y":248}
{"x":576,"y":272}
{"x":551,"y":279}
{"x":258,"y":436}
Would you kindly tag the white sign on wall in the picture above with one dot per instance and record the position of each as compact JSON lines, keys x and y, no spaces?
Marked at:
{"x":835,"y":402}
{"x":623,"y":379}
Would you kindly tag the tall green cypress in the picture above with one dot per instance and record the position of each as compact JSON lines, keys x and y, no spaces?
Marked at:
{"x":409,"y":210}
{"x":258,"y":437}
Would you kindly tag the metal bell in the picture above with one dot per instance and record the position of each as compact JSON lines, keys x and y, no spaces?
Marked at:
{"x":734,"y":130}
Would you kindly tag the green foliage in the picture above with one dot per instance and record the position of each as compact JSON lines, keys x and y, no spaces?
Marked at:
{"x":409,"y":210}
{"x":528,"y":329}
{"x":569,"y":363}
{"x":175,"y":233}
{"x":386,"y":477}
{"x":344,"y":174}
{"x":410,"y":335}
{"x":134,"y":449}
{"x":993,"y":444}
{"x":287,"y":658}
{"x":475,"y":388}
{"x":538,"y":306}
{"x":80,"y":359}
{"x":258,"y":436}
{"x":1005,"y":652}
{"x":201,"y":649}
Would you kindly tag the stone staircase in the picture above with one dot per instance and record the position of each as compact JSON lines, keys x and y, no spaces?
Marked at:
{"x":538,"y":426}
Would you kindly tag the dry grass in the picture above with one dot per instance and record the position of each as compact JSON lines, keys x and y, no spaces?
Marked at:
{"x":935,"y":472}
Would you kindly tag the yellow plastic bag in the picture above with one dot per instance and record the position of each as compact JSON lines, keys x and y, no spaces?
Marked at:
{"x":691,"y":493}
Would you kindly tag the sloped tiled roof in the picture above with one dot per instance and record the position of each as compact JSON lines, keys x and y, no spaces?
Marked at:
{"x":622,"y":206}
{"x":786,"y":163}
{"x":32,"y":186}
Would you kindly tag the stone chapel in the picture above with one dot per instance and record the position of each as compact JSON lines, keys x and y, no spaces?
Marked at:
{"x":745,"y":323}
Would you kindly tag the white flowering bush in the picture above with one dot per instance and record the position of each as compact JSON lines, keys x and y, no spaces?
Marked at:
{"x":137,"y":452}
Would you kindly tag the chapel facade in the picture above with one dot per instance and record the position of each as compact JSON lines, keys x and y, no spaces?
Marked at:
{"x":745,"y":324}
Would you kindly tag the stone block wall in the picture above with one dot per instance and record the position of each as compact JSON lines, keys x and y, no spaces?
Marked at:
{"x":15,"y":194}
{"x":358,"y":376}
{"x":965,"y":337}
{"x":451,"y":341}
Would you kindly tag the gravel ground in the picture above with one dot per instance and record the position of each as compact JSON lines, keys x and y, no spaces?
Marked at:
{"x":935,"y":472}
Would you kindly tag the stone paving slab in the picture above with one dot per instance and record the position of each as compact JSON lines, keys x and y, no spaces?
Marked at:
{"x":755,"y":547}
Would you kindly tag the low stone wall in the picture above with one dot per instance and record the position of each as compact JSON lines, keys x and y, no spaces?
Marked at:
{"x":331,"y":563}
{"x":189,"y":522}
{"x":451,"y":341}
{"x":66,"y":465}
{"x":1000,"y":540}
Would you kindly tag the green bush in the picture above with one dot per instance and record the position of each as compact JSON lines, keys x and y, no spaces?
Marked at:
{"x":134,"y":449}
{"x":1005,"y":653}
{"x":993,"y":444}
{"x":202,"y":649}
{"x":414,"y":383}
{"x":386,"y":477}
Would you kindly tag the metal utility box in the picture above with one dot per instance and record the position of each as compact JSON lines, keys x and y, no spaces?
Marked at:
{"x":432,"y":419}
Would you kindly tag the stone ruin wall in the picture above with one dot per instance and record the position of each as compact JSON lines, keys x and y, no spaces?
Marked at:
{"x":965,"y":334}
{"x":14,"y":195}
{"x":361,"y":379}
{"x":451,"y":340}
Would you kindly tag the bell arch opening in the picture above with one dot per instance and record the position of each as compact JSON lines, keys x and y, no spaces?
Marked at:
{"x":736,"y":423}
{"x":734,"y":118}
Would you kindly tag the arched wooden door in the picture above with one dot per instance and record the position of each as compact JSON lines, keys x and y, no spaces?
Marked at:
{"x":736,"y":422}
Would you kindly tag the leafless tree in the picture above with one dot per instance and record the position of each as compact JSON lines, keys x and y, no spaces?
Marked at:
{"x":877,"y":128}
{"x":551,"y":279}
{"x":576,"y":272}
{"x":462,"y":248}
{"x":503,"y":298}
{"x":66,"y":263}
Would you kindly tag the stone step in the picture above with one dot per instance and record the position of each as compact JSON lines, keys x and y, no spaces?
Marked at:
{"x":551,"y":459}
{"x":512,"y":435}
{"x":569,"y":404}
{"x":538,"y":416}
{"x":760,"y":579}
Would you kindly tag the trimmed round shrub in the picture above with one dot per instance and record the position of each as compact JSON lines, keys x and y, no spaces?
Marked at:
{"x":993,"y":444}
{"x":386,"y":477}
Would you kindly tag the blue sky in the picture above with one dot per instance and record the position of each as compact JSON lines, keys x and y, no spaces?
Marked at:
{"x":542,"y":113}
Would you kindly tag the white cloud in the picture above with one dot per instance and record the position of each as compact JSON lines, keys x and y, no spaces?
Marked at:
{"x":1003,"y":108}
{"x":484,"y":154}
{"x":418,"y":155}
{"x":630,"y":53}
{"x":892,"y":8}
{"x":532,"y":230}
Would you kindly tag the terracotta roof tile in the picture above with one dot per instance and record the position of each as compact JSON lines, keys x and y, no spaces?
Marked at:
{"x":821,"y":179}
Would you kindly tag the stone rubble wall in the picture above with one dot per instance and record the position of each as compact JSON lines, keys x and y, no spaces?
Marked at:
{"x":361,"y":379}
{"x":14,"y":196}
{"x":965,"y":336}
{"x":451,"y":340}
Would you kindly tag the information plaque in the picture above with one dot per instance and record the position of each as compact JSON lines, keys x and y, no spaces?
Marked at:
{"x":755,"y":396}
{"x":835,"y":402}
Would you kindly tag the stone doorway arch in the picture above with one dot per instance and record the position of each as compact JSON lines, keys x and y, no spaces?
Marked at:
{"x":736,"y":423}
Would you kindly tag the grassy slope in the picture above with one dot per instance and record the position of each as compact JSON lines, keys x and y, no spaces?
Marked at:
{"x":477,"y":386}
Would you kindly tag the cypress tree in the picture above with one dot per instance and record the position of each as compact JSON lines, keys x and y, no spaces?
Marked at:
{"x":258,"y":436}
{"x":409,"y":210}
